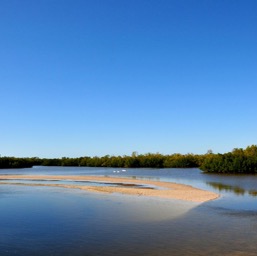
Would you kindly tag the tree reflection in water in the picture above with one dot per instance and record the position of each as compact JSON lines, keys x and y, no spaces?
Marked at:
{"x":229,"y":188}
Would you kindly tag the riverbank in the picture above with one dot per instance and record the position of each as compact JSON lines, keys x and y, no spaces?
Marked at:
{"x":128,"y":186}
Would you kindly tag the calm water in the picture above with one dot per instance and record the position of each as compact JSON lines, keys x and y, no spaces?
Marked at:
{"x":58,"y":221}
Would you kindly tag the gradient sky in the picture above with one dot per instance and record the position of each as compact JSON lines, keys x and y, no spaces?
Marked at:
{"x":97,"y":77}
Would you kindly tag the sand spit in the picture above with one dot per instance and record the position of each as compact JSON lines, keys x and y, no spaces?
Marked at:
{"x":160,"y":189}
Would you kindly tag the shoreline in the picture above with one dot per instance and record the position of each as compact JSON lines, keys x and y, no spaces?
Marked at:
{"x":159,"y":189}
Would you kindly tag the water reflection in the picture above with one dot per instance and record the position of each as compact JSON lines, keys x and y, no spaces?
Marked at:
{"x":229,"y":188}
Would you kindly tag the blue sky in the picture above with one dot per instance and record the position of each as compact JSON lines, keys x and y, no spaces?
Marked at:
{"x":97,"y":77}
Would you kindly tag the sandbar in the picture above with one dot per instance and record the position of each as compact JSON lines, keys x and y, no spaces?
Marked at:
{"x":159,"y":189}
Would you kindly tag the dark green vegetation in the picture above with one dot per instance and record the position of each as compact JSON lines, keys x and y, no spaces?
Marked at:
{"x":237,"y":161}
{"x":133,"y":161}
{"x":14,"y":162}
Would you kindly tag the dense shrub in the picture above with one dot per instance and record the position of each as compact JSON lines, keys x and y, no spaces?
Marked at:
{"x":237,"y":161}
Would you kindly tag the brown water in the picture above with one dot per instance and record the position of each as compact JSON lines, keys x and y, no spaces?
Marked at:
{"x":56,"y":221}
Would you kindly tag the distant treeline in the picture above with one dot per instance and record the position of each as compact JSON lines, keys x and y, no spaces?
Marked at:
{"x":237,"y":161}
{"x":14,"y":162}
{"x":133,"y":161}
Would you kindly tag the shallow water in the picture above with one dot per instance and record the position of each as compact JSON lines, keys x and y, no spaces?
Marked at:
{"x":58,"y":221}
{"x":24,"y":181}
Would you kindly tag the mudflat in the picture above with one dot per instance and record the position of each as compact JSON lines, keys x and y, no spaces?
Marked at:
{"x":125,"y":185}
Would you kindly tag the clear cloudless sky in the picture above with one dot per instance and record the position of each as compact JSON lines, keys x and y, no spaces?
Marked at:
{"x":98,"y":77}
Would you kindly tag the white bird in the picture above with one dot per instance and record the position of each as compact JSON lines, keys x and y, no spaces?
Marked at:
{"x":124,"y":170}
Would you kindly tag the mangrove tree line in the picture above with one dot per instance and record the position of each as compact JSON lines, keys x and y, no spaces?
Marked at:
{"x":237,"y":161}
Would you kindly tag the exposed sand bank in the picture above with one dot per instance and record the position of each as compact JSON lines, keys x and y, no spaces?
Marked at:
{"x":159,"y":189}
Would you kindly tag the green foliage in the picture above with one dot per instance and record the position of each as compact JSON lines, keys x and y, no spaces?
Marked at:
{"x":181,"y":161}
{"x":51,"y":162}
{"x":134,"y":161}
{"x":14,"y":162}
{"x":237,"y":161}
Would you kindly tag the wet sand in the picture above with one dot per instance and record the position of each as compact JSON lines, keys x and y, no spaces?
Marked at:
{"x":159,"y":189}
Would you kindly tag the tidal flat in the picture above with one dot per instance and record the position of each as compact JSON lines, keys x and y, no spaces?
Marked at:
{"x":124,"y":185}
{"x":50,"y":220}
